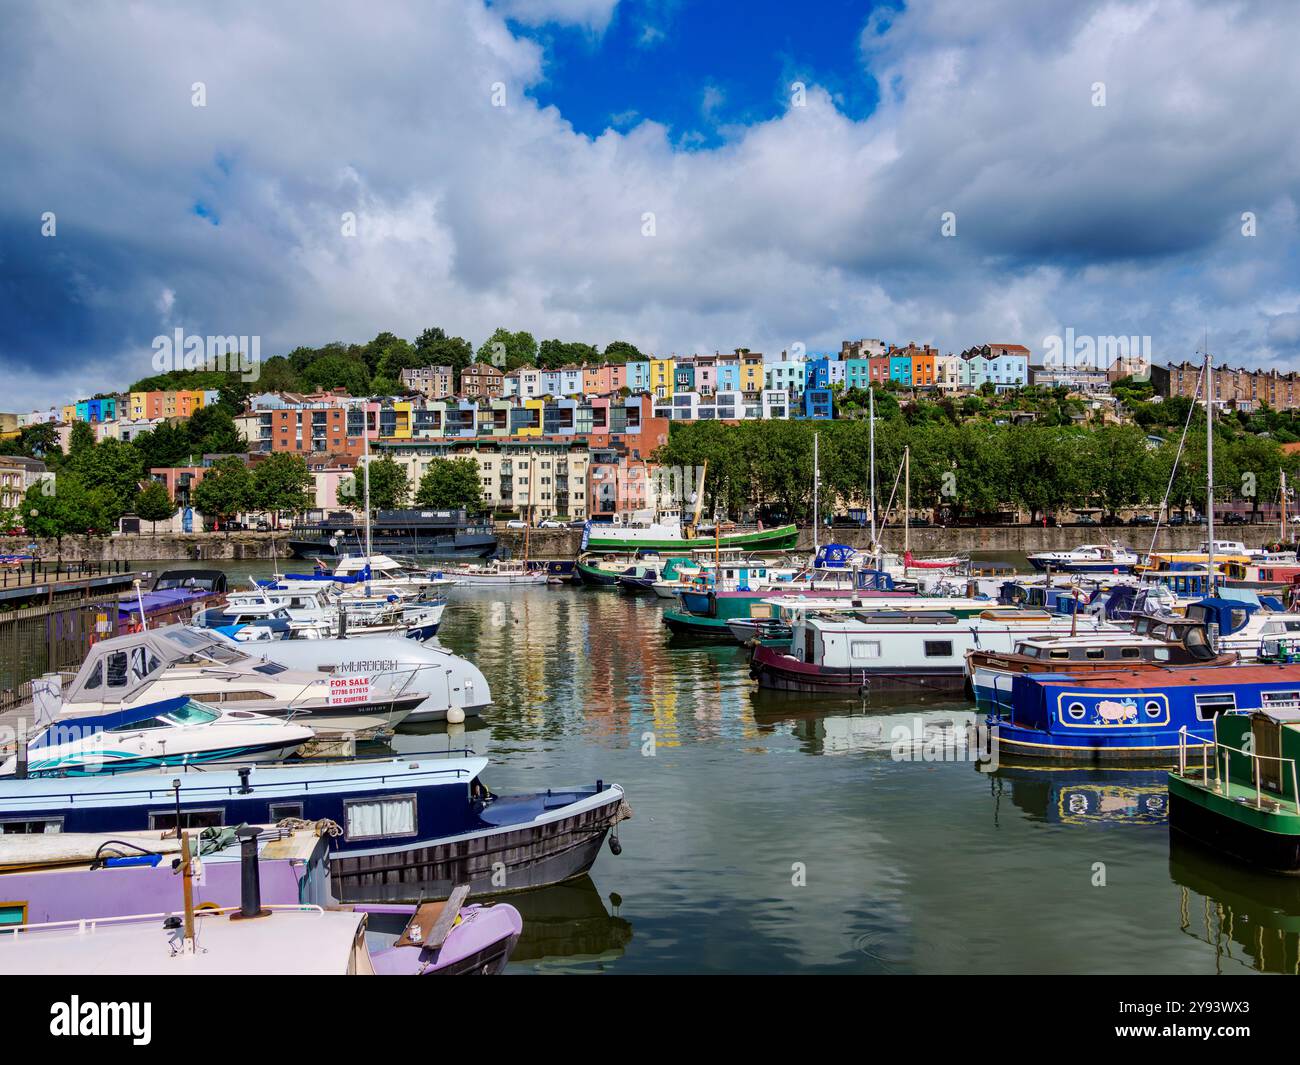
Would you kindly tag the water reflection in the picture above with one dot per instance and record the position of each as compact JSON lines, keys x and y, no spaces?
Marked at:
{"x":1085,"y":796}
{"x":570,"y":927}
{"x":1246,"y":918}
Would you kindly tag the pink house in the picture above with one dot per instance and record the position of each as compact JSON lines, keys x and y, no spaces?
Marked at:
{"x":604,"y":379}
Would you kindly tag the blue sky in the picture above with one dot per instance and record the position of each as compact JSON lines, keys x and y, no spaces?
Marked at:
{"x":596,"y":170}
{"x":703,"y":68}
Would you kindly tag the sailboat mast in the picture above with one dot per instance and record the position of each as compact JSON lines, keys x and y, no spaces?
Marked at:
{"x":816,"y":485}
{"x":1282,"y":493}
{"x":907,"y":500}
{"x":365,"y":444}
{"x":1209,"y":466}
{"x":871,"y":437}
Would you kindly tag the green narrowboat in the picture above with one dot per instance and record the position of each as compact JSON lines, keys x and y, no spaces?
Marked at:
{"x":1237,"y":793}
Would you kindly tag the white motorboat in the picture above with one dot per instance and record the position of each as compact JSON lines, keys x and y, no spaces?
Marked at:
{"x":496,"y":572}
{"x":126,"y":672}
{"x":1087,"y":558}
{"x":174,"y":732}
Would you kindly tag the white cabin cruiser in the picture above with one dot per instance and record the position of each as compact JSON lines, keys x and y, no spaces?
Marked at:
{"x":126,"y":672}
{"x":174,"y":732}
{"x":1087,"y":558}
{"x":497,"y":572}
{"x":443,"y":683}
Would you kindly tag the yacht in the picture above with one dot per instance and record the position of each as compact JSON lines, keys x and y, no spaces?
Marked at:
{"x":127,"y":672}
{"x":497,"y":572}
{"x":1087,"y":558}
{"x":179,"y":731}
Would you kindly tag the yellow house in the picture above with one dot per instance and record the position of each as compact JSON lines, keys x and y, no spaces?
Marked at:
{"x":69,"y":413}
{"x":535,"y":429}
{"x":661,"y":378}
{"x":752,"y":373}
{"x":402,"y":420}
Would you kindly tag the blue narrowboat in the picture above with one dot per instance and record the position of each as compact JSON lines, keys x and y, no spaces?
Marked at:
{"x":406,"y":827}
{"x":1131,"y":715}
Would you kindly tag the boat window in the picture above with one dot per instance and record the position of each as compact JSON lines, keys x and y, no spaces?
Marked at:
{"x":13,"y":914}
{"x":1160,"y":654}
{"x":142,"y":725}
{"x":96,"y":676}
{"x":115,"y":669}
{"x":865,"y":649}
{"x":213,"y":818}
{"x":1211,"y":706}
{"x":1135,"y":652}
{"x":1285,"y":700}
{"x":1154,"y":708}
{"x":192,"y":714}
{"x":1239,"y":619}
{"x":938,"y":648}
{"x":270,"y":668}
{"x":31,"y":826}
{"x":278,"y":811}
{"x":1028,"y":651}
{"x":375,"y":818}
{"x":1076,"y":711}
{"x":1095,"y":652}
{"x":1058,"y":652}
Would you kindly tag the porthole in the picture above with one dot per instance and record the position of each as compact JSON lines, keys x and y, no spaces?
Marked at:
{"x":1153,"y":708}
{"x":1076,"y":711}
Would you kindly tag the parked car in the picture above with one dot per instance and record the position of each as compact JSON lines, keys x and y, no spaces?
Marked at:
{"x":1142,"y":519}
{"x":1176,"y":519}
{"x":263,"y":526}
{"x":550,"y":523}
{"x":516,"y":523}
{"x":1235,"y":519}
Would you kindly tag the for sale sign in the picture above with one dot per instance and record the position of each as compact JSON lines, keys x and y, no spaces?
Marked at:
{"x":349,"y":691}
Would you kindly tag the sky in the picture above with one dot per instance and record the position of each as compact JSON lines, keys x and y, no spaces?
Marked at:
{"x":688,"y":176}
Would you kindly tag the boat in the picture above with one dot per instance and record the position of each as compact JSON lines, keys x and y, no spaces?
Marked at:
{"x":410,"y":828}
{"x":666,"y":532}
{"x":1184,"y":643}
{"x":414,"y":532}
{"x":125,"y":672}
{"x":180,"y":731}
{"x":175,"y":595}
{"x":443,"y":685}
{"x":1261,"y":576}
{"x":705,"y":612}
{"x":497,"y":572}
{"x":606,"y":570}
{"x":1132,"y":715}
{"x":105,"y":878}
{"x":871,"y":649}
{"x":1240,"y":621}
{"x":1087,"y":558}
{"x":313,"y":612}
{"x":1235,"y":792}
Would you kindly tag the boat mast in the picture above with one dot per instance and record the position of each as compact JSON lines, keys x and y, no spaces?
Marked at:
{"x":871,"y":437}
{"x":907,"y":502}
{"x":1209,"y":466}
{"x":816,"y":485}
{"x":1282,"y":493}
{"x":528,"y":524}
{"x":365,"y":444}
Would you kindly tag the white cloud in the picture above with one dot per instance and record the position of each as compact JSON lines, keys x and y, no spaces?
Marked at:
{"x":591,"y":14}
{"x":808,"y":227}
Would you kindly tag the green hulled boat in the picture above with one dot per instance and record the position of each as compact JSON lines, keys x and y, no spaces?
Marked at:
{"x":672,"y":536}
{"x":1237,"y":794}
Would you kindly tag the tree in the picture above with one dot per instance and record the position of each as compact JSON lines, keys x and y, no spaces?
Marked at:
{"x":281,"y":481}
{"x":452,"y":484}
{"x":508,"y":351}
{"x":389,"y":486}
{"x":167,"y":445}
{"x":619,"y":352}
{"x":63,"y":506}
{"x":153,"y":504}
{"x":213,"y":432}
{"x":552,"y":354}
{"x":226,"y":490}
{"x":333,"y":370}
{"x":113,"y":470}
{"x":435,"y":348}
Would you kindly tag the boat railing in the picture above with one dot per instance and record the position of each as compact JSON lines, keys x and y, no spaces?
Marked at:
{"x":88,"y":925}
{"x":276,"y":787}
{"x":1221,"y":769}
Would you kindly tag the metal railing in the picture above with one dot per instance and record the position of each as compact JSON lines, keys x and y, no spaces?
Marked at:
{"x":88,"y":925}
{"x":1222,"y":776}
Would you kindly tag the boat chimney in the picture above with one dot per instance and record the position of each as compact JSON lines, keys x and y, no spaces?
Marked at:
{"x":20,"y":755}
{"x":244,"y":772}
{"x":343,"y":621}
{"x":250,"y":884}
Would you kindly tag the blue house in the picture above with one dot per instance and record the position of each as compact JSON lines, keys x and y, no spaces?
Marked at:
{"x":817,"y":404}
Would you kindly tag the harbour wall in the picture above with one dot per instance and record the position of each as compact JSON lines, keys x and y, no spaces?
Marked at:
{"x":565,"y":543}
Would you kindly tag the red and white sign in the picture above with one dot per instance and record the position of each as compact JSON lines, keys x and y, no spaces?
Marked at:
{"x":349,"y":691}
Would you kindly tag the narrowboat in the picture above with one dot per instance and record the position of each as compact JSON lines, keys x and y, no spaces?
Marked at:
{"x":703,"y":611}
{"x":55,"y":880}
{"x":878,"y":649}
{"x":1133,"y":716}
{"x":990,"y":672}
{"x":1235,"y":792}
{"x":410,"y":828}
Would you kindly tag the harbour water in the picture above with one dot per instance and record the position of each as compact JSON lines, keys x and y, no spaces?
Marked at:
{"x":777,"y":833}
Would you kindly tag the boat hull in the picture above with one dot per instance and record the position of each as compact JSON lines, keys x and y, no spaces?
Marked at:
{"x":514,"y":858}
{"x":1234,"y":829}
{"x":782,"y":538}
{"x":780,"y":672}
